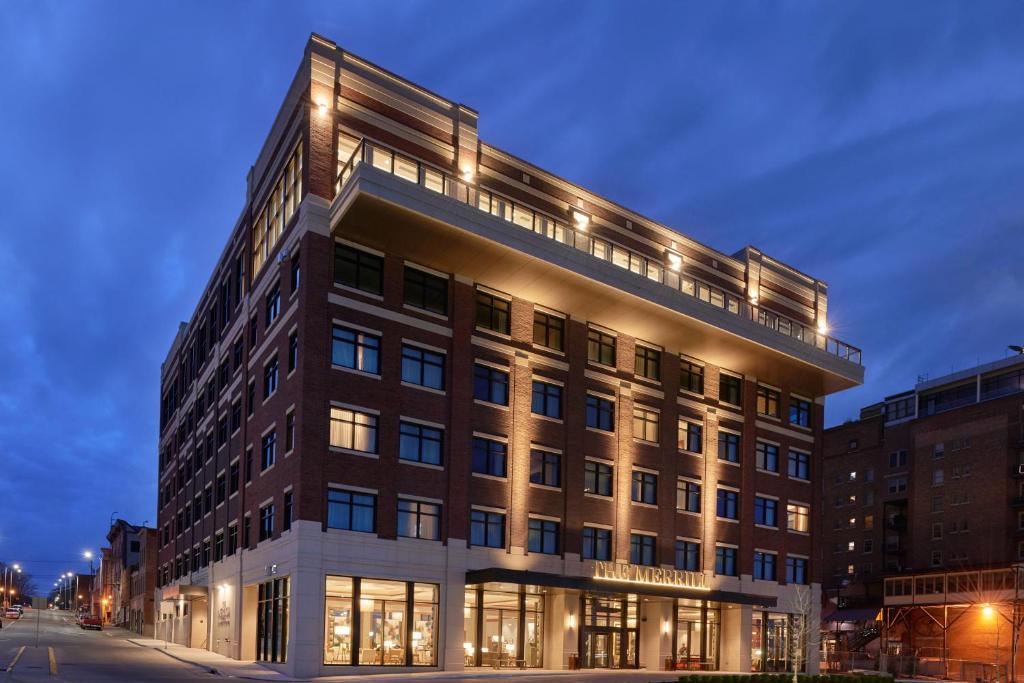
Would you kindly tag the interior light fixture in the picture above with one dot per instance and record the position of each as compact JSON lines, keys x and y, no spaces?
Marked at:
{"x":822,"y":327}
{"x":467,"y":174}
{"x":322,"y":108}
{"x":580,"y":219}
{"x":675,"y":261}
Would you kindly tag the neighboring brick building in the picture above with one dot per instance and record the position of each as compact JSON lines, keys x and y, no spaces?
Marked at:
{"x":128,"y":574}
{"x":439,"y":408}
{"x":142,"y":583}
{"x":928,"y":481}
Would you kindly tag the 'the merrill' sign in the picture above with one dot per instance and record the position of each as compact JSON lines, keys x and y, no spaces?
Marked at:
{"x":634,"y":573}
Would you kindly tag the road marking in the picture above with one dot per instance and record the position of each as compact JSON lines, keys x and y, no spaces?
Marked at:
{"x":21,"y":651}
{"x":53,"y":661}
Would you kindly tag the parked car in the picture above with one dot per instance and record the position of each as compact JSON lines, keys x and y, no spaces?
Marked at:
{"x":12,"y":613}
{"x":89,"y":621}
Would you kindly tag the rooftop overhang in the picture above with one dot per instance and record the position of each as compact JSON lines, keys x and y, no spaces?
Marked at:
{"x":381,"y":211}
{"x":584,"y":583}
{"x":183,"y":592}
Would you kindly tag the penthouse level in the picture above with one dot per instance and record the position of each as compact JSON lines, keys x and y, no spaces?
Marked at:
{"x":439,"y":408}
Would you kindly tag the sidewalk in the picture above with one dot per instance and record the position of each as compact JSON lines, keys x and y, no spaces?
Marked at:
{"x":225,"y":666}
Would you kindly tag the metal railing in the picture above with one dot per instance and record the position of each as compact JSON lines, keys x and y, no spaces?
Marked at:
{"x":430,"y":177}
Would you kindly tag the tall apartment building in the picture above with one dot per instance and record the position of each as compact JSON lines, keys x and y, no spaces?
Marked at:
{"x":439,"y":408}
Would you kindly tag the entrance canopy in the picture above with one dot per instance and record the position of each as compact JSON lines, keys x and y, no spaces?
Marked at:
{"x":181,"y":592}
{"x":583,"y":583}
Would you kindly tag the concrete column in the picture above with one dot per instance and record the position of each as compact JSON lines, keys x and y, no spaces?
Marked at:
{"x":656,"y":634}
{"x":561,"y":625}
{"x":452,"y":633}
{"x":735,"y":638}
{"x":306,"y":602}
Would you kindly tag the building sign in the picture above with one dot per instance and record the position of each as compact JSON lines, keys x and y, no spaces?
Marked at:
{"x":655,"y":576}
{"x":224,"y":614}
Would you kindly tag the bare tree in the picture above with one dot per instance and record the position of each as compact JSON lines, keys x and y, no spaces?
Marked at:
{"x":806,"y":634}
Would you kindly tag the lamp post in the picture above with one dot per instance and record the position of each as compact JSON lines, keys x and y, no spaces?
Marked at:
{"x":9,"y":571}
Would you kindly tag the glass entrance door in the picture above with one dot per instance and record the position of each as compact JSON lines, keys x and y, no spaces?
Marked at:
{"x":607,"y":648}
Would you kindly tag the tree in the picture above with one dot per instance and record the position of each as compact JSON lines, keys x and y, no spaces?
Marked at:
{"x":806,"y":632}
{"x":20,"y":582}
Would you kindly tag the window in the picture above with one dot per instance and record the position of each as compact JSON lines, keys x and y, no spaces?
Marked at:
{"x":351,"y":510}
{"x":353,"y":430}
{"x":796,"y":570}
{"x":487,"y":529}
{"x":597,"y":478}
{"x":799,"y":465}
{"x":293,"y":351}
{"x":725,"y":561}
{"x":548,"y":330}
{"x":248,"y":465}
{"x":222,"y":488}
{"x":266,"y":522}
{"x":644,"y":487}
{"x":289,"y":432}
{"x":296,"y":275}
{"x":355,"y":350}
{"x":646,"y":424}
{"x":545,"y":468}
{"x":232,"y":539}
{"x":647,"y":362}
{"x":273,"y":305}
{"x":897,"y":484}
{"x":233,"y":477}
{"x":420,"y":443}
{"x":730,"y":389}
{"x":727,"y":504}
{"x":767,"y":401}
{"x":236,"y":416}
{"x":270,"y":377}
{"x":492,"y":313}
{"x":898,"y":459}
{"x":600,"y":347}
{"x":766,"y":511}
{"x":691,"y":436}
{"x":358,"y":269}
{"x":542,"y":536}
{"x":286,"y":519}
{"x":767,"y":457}
{"x":641,"y":549}
{"x":250,"y":398}
{"x":422,"y":367}
{"x":938,"y":477}
{"x":489,"y":456}
{"x":597,"y":543}
{"x":728,"y":446}
{"x":490,"y":384}
{"x":688,"y":496}
{"x":936,"y":531}
{"x":547,"y":399}
{"x":268,"y":450}
{"x":417,"y":519}
{"x":798,"y":518}
{"x":691,"y":376}
{"x":799,"y":412}
{"x":426,"y":291}
{"x":764,"y":566}
{"x":688,"y":555}
{"x":600,"y":413}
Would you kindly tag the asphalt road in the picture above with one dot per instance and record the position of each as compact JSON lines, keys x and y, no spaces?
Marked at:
{"x":68,"y":653}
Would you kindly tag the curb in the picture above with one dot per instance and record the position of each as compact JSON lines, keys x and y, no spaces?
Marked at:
{"x":207,"y":669}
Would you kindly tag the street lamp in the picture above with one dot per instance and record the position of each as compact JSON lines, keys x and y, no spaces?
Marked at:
{"x":9,"y":571}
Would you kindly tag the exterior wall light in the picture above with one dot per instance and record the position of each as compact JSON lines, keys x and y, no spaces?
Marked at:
{"x":467,"y":174}
{"x":822,"y":327}
{"x":322,"y":108}
{"x":580,"y":219}
{"x":987,"y":611}
{"x":675,"y":261}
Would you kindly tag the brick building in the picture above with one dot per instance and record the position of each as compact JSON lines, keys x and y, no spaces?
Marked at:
{"x":439,"y":408}
{"x":928,"y":482}
{"x":141,"y":584}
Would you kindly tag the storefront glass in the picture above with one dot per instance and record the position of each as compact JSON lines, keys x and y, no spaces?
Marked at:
{"x":395,"y":623}
{"x":697,"y":635}
{"x":504,"y":626}
{"x":609,"y":633}
{"x":272,"y":621}
{"x":769,"y":641}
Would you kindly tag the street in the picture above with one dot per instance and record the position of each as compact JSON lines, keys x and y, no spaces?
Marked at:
{"x":73,"y":654}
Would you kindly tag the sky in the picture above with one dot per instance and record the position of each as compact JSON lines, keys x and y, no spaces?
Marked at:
{"x":876,"y":145}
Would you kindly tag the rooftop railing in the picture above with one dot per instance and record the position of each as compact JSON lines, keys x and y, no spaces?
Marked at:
{"x":665,"y":272}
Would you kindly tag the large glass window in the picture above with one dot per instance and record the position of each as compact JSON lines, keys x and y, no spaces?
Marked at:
{"x":725,"y":560}
{"x":767,"y":457}
{"x":796,"y":569}
{"x":597,"y":543}
{"x":688,"y":555}
{"x":377,"y":622}
{"x":358,"y":269}
{"x":487,"y":529}
{"x":542,"y":536}
{"x":647,"y":362}
{"x":492,"y":312}
{"x":645,"y":487}
{"x":418,"y":519}
{"x":646,"y":424}
{"x":504,"y":626}
{"x":642,"y":549}
{"x":764,"y":566}
{"x":799,"y":465}
{"x":597,"y":478}
{"x":489,"y":456}
{"x":688,"y":496}
{"x":353,"y":430}
{"x":545,"y":468}
{"x":766,"y":511}
{"x":767,"y":401}
{"x":798,"y":517}
{"x":728,"y":446}
{"x":548,"y":330}
{"x":799,"y":412}
{"x":691,"y":376}
{"x":422,"y":367}
{"x":600,"y":347}
{"x":426,"y":291}
{"x":600,"y":413}
{"x":730,"y":389}
{"x":546,"y":399}
{"x":272,"y":621}
{"x":490,"y":384}
{"x":691,"y":436}
{"x":728,"y":505}
{"x":356,"y":350}
{"x":351,"y":510}
{"x":420,"y":443}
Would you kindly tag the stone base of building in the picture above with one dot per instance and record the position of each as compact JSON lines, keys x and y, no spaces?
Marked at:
{"x":315,"y":603}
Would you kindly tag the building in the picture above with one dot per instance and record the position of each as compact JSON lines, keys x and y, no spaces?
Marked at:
{"x":142,"y":583}
{"x":103,"y":587}
{"x":438,"y":408}
{"x":928,"y":482}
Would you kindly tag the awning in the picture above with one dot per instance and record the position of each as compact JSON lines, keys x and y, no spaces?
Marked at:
{"x":583,"y":583}
{"x":184,"y":592}
{"x":854,"y":614}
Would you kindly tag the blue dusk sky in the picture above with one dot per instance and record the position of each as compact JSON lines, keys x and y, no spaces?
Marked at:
{"x":876,"y":145}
